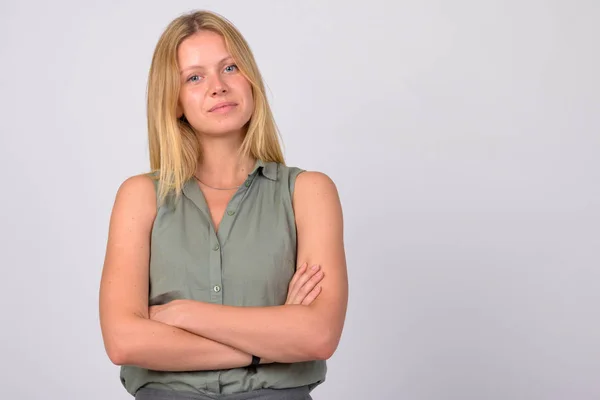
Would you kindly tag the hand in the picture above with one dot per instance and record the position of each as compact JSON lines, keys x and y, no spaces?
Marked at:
{"x":168,"y":313}
{"x":303,"y":287}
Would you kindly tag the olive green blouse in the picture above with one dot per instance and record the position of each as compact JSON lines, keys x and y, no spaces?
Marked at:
{"x":248,"y":262}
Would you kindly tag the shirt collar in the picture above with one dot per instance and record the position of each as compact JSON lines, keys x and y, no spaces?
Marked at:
{"x":267,"y":169}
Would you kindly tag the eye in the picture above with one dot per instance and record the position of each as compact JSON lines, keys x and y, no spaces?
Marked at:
{"x":231,"y":68}
{"x":190,"y":79}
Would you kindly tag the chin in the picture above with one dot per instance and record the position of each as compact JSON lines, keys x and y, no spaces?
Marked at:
{"x":224,"y":128}
{"x":225,"y":124}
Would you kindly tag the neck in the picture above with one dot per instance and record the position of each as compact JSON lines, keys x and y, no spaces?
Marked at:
{"x":220,"y":165}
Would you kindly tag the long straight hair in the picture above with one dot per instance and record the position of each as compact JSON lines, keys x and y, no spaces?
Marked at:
{"x":173,"y":144}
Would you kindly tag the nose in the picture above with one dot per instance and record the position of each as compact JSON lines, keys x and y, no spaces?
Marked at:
{"x":218,"y":87}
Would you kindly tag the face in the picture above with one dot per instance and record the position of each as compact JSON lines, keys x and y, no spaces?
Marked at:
{"x":215,"y":97}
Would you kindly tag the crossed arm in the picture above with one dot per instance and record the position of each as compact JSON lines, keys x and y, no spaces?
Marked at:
{"x":177,"y":334}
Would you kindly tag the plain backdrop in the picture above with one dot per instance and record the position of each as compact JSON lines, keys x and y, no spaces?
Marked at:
{"x":463,"y":136}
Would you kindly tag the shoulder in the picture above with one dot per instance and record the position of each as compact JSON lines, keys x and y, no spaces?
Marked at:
{"x":280,"y":171}
{"x":315,"y":192}
{"x":303,"y":184}
{"x":314,"y":183}
{"x":141,"y":184}
{"x":137,"y":194}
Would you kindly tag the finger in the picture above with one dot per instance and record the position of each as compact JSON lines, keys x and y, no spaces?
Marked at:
{"x":295,"y":278}
{"x":294,"y":284}
{"x":302,"y":280}
{"x":312,"y":296}
{"x":299,"y":271}
{"x":309,"y":286}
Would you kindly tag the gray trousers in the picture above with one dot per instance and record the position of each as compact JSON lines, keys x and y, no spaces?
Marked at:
{"x":300,"y":393}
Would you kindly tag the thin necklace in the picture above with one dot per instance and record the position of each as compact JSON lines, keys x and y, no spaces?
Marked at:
{"x":216,"y":188}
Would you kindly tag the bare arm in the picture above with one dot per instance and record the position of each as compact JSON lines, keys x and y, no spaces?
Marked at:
{"x":130,"y":337}
{"x":289,"y":333}
{"x":162,"y":347}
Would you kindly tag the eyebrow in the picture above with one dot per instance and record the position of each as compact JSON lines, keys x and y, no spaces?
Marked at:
{"x":202,"y":67}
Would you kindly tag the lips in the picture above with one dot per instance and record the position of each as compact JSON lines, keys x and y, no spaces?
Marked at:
{"x":223,"y":105}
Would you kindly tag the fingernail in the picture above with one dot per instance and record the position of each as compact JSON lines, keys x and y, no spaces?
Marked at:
{"x":315,"y":267}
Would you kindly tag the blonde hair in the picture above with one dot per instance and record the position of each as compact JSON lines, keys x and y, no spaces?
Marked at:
{"x":173,"y":145}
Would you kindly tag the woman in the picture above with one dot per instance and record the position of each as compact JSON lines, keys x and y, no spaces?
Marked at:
{"x":200,"y":295}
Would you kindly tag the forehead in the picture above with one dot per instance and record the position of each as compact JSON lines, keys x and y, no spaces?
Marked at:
{"x":203,"y":48}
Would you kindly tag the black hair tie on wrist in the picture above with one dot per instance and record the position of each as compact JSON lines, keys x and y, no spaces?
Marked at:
{"x":255,"y":361}
{"x":253,"y":364}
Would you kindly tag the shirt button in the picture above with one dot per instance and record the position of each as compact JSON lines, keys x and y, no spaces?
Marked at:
{"x":217,"y":288}
{"x":230,"y":212}
{"x":216,"y":247}
{"x":247,"y":183}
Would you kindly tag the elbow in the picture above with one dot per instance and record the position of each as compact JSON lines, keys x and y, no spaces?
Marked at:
{"x":116,"y":358}
{"x":116,"y":352}
{"x":120,"y":345}
{"x":121,"y":340}
{"x":325,"y":346}
{"x":324,"y":352}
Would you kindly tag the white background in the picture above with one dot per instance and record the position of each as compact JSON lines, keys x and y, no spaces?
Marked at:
{"x":464,"y":138}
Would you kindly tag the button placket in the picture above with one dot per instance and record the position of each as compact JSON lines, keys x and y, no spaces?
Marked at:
{"x":216,"y":267}
{"x":219,"y":238}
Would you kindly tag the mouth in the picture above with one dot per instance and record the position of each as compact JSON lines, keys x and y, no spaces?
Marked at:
{"x":223,"y":107}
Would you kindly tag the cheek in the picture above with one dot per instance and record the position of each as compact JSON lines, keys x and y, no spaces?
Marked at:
{"x":248,"y":97}
{"x":243,"y":88}
{"x":250,"y":104}
{"x":190,"y":100}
